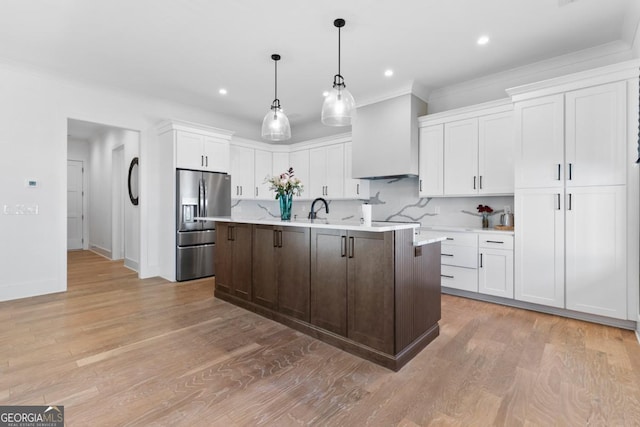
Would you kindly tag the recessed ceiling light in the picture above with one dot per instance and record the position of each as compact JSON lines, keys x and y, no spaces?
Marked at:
{"x":388,"y":73}
{"x":482,"y":40}
{"x":222,"y":91}
{"x":325,"y":93}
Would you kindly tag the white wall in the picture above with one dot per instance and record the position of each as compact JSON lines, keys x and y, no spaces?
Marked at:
{"x":33,"y":142}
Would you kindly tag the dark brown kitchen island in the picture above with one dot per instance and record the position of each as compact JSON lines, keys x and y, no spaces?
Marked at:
{"x":369,"y":290}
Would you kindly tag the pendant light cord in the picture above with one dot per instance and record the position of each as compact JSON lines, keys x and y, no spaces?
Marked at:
{"x":276,"y":84}
{"x":339,"y":51}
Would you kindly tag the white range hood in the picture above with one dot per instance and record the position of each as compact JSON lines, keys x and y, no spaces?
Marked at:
{"x":385,"y":138}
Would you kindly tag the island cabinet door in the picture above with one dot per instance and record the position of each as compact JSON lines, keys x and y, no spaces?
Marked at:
{"x":265,"y":280}
{"x":232,"y":264}
{"x":370,"y":300}
{"x":293,"y":271}
{"x":223,"y":258}
{"x":329,"y":280}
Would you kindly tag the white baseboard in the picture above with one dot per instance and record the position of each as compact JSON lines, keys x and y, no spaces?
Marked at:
{"x":131,"y":264}
{"x":100,"y":251}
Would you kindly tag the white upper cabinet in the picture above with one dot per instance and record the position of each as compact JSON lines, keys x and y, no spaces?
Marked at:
{"x":539,"y":125}
{"x":353,"y":188}
{"x":299,"y":161}
{"x":242,"y":172}
{"x":495,"y":154}
{"x":281,"y":163}
{"x":263,"y":169}
{"x":595,"y":135}
{"x":201,"y":152}
{"x":431,"y":161}
{"x":468,"y":151}
{"x":461,"y":157}
{"x":326,"y":171}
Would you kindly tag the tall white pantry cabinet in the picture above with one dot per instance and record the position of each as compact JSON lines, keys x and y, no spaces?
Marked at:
{"x":576,"y":192}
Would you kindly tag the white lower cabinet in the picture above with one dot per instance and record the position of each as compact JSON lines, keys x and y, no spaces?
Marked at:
{"x":459,"y":259}
{"x":539,"y":253}
{"x":596,"y":266}
{"x":495,"y":272}
{"x":263,"y":169}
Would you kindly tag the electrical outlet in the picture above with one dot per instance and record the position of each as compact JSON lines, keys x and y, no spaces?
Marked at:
{"x":507,"y":209}
{"x":436,"y":210}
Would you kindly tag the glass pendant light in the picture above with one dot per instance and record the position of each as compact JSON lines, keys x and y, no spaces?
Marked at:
{"x":339,"y":107}
{"x":275,"y":125}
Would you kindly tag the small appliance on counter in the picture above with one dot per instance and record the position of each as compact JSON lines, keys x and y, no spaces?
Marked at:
{"x":506,"y":221}
{"x":198,"y":194}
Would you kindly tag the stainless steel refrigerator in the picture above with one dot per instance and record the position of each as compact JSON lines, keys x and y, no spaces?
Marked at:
{"x":198,"y":194}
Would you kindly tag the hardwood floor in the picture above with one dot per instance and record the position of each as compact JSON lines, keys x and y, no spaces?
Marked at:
{"x":115,"y":350}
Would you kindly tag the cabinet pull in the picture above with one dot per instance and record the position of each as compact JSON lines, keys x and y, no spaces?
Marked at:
{"x":241,"y":190}
{"x":206,"y":161}
{"x":229,"y":233}
{"x":450,"y":238}
{"x":558,"y":194}
{"x":358,"y":189}
{"x":351,"y":247}
{"x":275,"y":238}
{"x":559,"y":166}
{"x":420,"y":186}
{"x":343,"y":246}
{"x":481,"y":182}
{"x":256,"y":191}
{"x":447,"y":255}
{"x":570,"y":170}
{"x":480,"y":260}
{"x":494,"y":241}
{"x":201,"y":160}
{"x":447,"y":276}
{"x":474,"y":182}
{"x":569,"y":208}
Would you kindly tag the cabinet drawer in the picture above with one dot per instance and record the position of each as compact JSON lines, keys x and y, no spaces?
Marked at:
{"x":453,"y":237}
{"x":497,"y":241}
{"x":462,"y":278}
{"x":459,"y":256}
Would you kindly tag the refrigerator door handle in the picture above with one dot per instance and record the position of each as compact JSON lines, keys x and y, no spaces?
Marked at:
{"x":201,"y":197}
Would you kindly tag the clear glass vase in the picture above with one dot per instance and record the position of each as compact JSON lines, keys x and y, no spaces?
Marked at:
{"x":286,"y":200}
{"x":485,"y":220}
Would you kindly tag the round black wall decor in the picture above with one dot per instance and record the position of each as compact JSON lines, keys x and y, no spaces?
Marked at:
{"x":132,"y":181}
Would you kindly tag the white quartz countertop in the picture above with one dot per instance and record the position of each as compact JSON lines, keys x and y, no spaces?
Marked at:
{"x":320,"y":223}
{"x":464,"y":229}
{"x":421,"y":240}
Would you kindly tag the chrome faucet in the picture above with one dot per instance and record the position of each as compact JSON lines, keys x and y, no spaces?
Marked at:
{"x":312,"y":214}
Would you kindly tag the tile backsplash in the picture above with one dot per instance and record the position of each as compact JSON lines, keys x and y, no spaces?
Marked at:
{"x":394,"y":199}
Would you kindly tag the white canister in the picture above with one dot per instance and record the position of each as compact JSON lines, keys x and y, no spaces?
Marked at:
{"x":366,"y":214}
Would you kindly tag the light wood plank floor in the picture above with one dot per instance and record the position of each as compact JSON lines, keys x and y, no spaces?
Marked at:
{"x":115,"y":350}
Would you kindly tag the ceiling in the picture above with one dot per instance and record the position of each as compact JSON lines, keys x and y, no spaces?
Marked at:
{"x":187,"y":50}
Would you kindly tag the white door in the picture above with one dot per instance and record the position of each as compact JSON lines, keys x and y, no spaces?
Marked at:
{"x":242,"y":170}
{"x":495,"y":154}
{"x":461,"y":157}
{"x":539,"y":142}
{"x":431,"y":161}
{"x":495,"y":273}
{"x":334,"y":171}
{"x":353,"y":188}
{"x":539,"y":246}
{"x":317,"y":172}
{"x":216,"y":155}
{"x":189,"y":150}
{"x":596,"y":134}
{"x":299,"y":161}
{"x":75,"y":209}
{"x":263,"y":163}
{"x":596,"y":250}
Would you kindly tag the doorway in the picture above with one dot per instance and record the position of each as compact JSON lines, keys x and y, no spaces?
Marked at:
{"x":111,"y":222}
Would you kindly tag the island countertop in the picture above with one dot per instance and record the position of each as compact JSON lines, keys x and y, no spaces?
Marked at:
{"x":376,"y":226}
